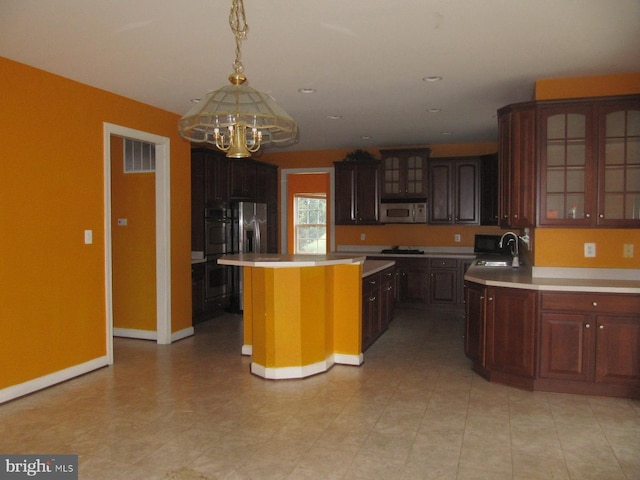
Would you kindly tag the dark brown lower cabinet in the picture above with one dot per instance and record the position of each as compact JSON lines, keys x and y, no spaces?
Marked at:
{"x":586,"y":343}
{"x":590,"y":343}
{"x":378,"y":299}
{"x":475,"y":325}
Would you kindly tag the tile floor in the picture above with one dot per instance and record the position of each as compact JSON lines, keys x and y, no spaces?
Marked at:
{"x":413,"y":410}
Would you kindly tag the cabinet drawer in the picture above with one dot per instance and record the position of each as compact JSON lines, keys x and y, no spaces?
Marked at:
{"x":371,"y":282}
{"x":443,"y":262}
{"x":588,"y":302}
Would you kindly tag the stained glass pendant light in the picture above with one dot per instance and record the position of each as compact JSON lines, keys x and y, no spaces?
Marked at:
{"x":238,"y":119}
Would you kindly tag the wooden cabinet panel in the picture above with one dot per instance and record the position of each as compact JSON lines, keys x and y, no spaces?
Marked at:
{"x":378,"y":299}
{"x":593,"y":339}
{"x":566,"y":342}
{"x":516,"y":164}
{"x":454,"y":191}
{"x":489,"y":188}
{"x":357,"y":192}
{"x":414,"y":283}
{"x":475,"y":315}
{"x":617,"y":356}
{"x":443,"y":286}
{"x":511,"y":331}
{"x":591,"y":302}
{"x":243,"y":176}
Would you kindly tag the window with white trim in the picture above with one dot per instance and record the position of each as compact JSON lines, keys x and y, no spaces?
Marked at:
{"x":310,"y":225}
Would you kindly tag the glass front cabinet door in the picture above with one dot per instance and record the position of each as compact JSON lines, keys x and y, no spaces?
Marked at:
{"x":589,"y":157}
{"x":567,"y":175}
{"x":619,"y":168}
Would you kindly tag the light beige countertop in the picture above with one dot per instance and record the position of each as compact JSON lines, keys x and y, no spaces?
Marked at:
{"x":429,"y":252}
{"x":567,"y":280}
{"x":276,"y":260}
{"x":374,"y":266}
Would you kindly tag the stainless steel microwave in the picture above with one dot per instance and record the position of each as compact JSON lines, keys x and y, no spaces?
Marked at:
{"x":413,"y":212}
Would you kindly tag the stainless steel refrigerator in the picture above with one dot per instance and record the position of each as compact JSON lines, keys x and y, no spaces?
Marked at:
{"x":249,"y":235}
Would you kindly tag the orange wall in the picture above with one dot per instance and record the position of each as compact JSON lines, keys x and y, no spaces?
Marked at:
{"x":52,"y":293}
{"x":565,"y":247}
{"x":599,"y":85}
{"x":133,"y":245}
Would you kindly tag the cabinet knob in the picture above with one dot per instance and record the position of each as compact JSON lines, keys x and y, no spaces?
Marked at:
{"x":372,"y":299}
{"x":490,"y":298}
{"x":600,"y":327}
{"x":587,"y":215}
{"x":595,"y":304}
{"x":481,"y":297}
{"x":515,"y":215}
{"x":601,"y":215}
{"x":587,"y":325}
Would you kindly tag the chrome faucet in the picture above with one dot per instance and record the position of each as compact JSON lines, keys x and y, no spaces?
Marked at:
{"x":513,"y":243}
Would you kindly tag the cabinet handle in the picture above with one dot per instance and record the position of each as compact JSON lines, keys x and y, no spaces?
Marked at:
{"x":601,"y":215}
{"x":595,"y":304}
{"x":587,"y":215}
{"x":515,"y":215}
{"x":372,"y":299}
{"x":587,"y":325}
{"x":490,"y":298}
{"x":389,"y":289}
{"x":372,"y":282}
{"x":601,"y":327}
{"x":481,"y":297}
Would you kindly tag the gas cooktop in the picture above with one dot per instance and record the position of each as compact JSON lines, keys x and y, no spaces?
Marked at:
{"x":402,"y":251}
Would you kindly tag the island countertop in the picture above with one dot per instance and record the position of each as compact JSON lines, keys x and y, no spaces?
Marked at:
{"x":276,"y":260}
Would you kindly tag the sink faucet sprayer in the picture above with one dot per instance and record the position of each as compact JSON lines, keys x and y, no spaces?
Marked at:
{"x":513,"y":243}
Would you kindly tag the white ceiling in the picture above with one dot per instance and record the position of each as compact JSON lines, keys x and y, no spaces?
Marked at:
{"x":365,"y":58}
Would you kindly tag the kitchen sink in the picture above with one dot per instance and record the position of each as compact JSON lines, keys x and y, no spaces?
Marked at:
{"x":493,"y":263}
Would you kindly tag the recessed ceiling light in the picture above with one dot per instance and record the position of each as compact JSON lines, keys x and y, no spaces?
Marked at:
{"x":334,"y":117}
{"x":307,"y":90}
{"x":196,"y":100}
{"x":432,"y":78}
{"x":447,"y":133}
{"x":433,"y":110}
{"x":365,"y":137}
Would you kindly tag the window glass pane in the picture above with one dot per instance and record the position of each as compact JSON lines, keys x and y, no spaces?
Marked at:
{"x":310,"y":227}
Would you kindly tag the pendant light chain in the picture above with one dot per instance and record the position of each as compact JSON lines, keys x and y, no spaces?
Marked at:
{"x":239,"y":27}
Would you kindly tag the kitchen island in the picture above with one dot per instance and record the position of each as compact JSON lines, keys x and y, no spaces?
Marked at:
{"x":302,"y":313}
{"x":559,"y":330}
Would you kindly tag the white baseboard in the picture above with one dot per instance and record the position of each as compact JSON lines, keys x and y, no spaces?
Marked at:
{"x":344,"y":359}
{"x":15,"y":391}
{"x":247,"y":350}
{"x":135,"y":333}
{"x":180,"y":334}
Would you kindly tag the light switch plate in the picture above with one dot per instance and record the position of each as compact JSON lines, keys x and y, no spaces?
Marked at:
{"x":589,"y":250}
{"x":88,"y":237}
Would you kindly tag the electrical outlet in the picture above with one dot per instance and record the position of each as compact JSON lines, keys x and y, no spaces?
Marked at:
{"x":88,"y":237}
{"x":589,"y":250}
{"x":627,"y":250}
{"x":363,"y":236}
{"x":456,"y":237}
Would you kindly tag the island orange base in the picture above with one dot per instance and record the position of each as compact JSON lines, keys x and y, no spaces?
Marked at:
{"x":300,"y":321}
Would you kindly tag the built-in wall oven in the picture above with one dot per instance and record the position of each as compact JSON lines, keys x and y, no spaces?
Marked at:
{"x":217,"y":230}
{"x":218,"y":227}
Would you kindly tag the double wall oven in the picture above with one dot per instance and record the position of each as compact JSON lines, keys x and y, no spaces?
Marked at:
{"x":218,"y":231}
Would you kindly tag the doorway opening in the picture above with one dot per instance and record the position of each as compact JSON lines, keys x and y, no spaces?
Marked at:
{"x":162,"y":279}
